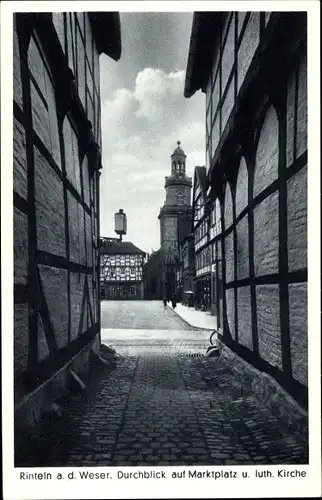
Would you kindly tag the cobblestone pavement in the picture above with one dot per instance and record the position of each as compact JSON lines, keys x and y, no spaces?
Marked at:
{"x":160,"y":406}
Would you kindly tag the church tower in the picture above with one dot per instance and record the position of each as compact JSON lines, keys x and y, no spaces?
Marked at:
{"x":176,"y":214}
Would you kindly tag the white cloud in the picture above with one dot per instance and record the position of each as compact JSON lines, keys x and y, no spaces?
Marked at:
{"x":140,"y":128}
{"x":157,"y":93}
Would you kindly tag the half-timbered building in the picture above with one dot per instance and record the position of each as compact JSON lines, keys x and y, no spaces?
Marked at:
{"x":121,"y":270}
{"x":188,"y":269}
{"x":252,"y":67}
{"x":202,"y":249}
{"x":56,"y":163}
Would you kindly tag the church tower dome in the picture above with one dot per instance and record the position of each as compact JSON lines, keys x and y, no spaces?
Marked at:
{"x":178,"y":159}
{"x":178,"y":168}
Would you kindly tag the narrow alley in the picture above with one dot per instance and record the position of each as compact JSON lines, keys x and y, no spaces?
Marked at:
{"x":159,"y":299}
{"x":167,"y":404}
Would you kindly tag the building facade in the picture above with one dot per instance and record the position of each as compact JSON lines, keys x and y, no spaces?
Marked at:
{"x":252,"y":67}
{"x":188,"y":269}
{"x":175,"y":219}
{"x":121,"y":270}
{"x":202,"y":248}
{"x":56,"y":163}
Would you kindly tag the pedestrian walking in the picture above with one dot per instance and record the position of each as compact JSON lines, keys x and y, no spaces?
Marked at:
{"x":165,"y":302}
{"x":174,"y":302}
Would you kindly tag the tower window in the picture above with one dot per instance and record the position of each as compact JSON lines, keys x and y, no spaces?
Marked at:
{"x":180,"y":198}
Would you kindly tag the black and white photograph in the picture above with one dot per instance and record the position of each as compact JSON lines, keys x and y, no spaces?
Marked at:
{"x":160,"y":247}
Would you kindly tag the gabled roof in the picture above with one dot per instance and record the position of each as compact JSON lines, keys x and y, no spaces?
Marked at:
{"x":200,"y":177}
{"x":108,"y":246}
{"x":106,"y":28}
{"x":203,"y":37}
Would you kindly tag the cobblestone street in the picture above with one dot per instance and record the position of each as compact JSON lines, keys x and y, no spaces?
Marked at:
{"x":122,"y":314}
{"x":161,"y":406}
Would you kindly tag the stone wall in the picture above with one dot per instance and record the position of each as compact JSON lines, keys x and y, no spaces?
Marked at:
{"x":169,"y":229}
{"x":172,"y":195}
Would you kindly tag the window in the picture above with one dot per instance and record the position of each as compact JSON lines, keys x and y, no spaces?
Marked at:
{"x":214,"y":253}
{"x":112,"y":290}
{"x":132,"y":270}
{"x":180,"y":198}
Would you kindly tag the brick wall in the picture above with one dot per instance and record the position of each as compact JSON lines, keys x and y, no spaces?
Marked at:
{"x":263,"y":195}
{"x":298,"y":329}
{"x":244,"y":317}
{"x":248,"y":45}
{"x":268,"y":324}
{"x":55,"y":189}
{"x":266,"y":243}
{"x":242,"y":257}
{"x":242,"y":187}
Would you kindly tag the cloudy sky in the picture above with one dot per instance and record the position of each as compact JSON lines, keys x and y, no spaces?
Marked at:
{"x":144,"y":113}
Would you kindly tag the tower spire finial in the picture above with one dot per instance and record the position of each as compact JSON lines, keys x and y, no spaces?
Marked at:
{"x":178,"y":142}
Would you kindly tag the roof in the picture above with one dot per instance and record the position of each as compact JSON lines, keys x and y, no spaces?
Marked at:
{"x":178,"y":179}
{"x":201,"y":177}
{"x":111,"y":246}
{"x":205,"y":26}
{"x":106,"y":28}
{"x":178,"y":151}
